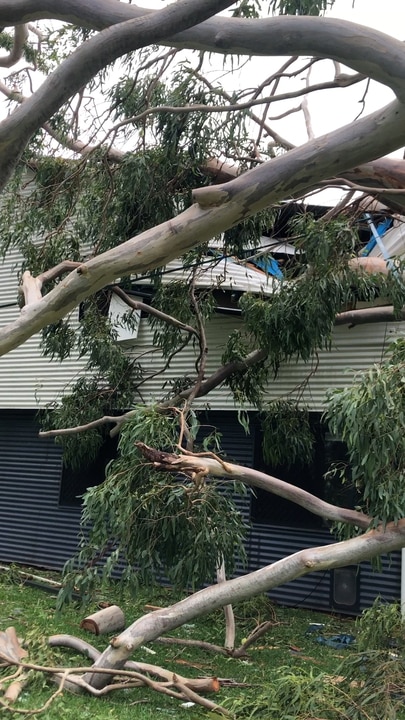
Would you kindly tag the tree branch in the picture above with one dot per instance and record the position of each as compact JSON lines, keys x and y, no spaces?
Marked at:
{"x":208,"y":464}
{"x":233,"y":107}
{"x":367,"y":51}
{"x":85,"y":62}
{"x":16,"y":52}
{"x":151,"y":626}
{"x":217,"y":378}
{"x":383,"y":313}
{"x":216,"y":209}
{"x":150,"y":310}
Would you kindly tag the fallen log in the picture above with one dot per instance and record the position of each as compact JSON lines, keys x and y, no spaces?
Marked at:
{"x":104,"y":621}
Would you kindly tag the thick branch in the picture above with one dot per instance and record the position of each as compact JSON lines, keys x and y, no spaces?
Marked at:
{"x":207,"y":464}
{"x":386,"y":173}
{"x":383,"y":313}
{"x":151,"y":626}
{"x":365,"y":50}
{"x":16,"y":52}
{"x":217,"y":378}
{"x":31,"y":287}
{"x":85,"y":62}
{"x":217,"y":209}
{"x":378,"y":178}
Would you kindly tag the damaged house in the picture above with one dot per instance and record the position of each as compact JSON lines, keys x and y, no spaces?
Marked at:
{"x":40,"y":497}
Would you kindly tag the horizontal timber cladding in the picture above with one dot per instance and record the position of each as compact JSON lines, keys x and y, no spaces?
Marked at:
{"x":30,"y":380}
{"x":34,"y":529}
{"x":352,"y":350}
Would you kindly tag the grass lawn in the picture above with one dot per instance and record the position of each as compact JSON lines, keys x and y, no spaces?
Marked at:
{"x":288,"y":644}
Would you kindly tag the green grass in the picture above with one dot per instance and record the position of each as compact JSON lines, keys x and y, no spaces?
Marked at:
{"x":32,"y":612}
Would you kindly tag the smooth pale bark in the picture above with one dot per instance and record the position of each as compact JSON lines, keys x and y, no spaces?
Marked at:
{"x":366,"y":50}
{"x":366,"y":316}
{"x":104,"y":621}
{"x":382,"y":174}
{"x":385,"y":173}
{"x":151,"y":626}
{"x":16,"y":52}
{"x":215,"y":209}
{"x":207,"y":684}
{"x":204,"y":464}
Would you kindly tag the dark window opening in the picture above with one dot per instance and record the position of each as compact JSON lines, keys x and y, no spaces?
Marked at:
{"x":270,"y":509}
{"x":74,"y":483}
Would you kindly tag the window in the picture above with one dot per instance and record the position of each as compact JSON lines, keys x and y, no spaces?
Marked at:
{"x":267,"y":508}
{"x":74,"y":483}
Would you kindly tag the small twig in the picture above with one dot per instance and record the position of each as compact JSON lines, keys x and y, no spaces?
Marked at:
{"x":150,"y":310}
{"x":305,"y":109}
{"x":254,"y":637}
{"x":44,"y":707}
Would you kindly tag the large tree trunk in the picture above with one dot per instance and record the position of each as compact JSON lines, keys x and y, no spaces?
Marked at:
{"x":151,"y":626}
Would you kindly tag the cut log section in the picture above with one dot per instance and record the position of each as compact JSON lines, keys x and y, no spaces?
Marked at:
{"x":10,"y":647}
{"x":104,"y":621}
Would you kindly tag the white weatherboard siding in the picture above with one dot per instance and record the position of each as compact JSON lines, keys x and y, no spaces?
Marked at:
{"x":27,"y":379}
{"x":353,"y":349}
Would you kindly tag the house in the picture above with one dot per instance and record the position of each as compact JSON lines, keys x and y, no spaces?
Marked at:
{"x":39,"y":504}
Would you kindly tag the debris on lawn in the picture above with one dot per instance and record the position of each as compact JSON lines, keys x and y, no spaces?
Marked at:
{"x":336,"y":641}
{"x":11,"y":653}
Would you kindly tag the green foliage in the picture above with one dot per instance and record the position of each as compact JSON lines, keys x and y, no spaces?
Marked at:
{"x":368,"y":683}
{"x":156,"y":523}
{"x":298,"y":320}
{"x":58,"y":340}
{"x":369,"y":416}
{"x":107,"y":387}
{"x":301,"y":7}
{"x":247,"y":385}
{"x":245,"y":234}
{"x":380,"y":627}
{"x":174,"y":299}
{"x":248,"y":9}
{"x":284,"y":424}
{"x":83,"y":404}
{"x":295,"y":694}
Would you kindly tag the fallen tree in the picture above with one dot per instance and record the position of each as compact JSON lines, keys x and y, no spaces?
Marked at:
{"x":173,"y":210}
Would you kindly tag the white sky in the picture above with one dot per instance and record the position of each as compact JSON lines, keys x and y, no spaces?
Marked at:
{"x":330,"y":109}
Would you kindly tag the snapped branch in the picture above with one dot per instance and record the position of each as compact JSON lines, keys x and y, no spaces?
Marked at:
{"x":202,"y":464}
{"x":151,"y":626}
